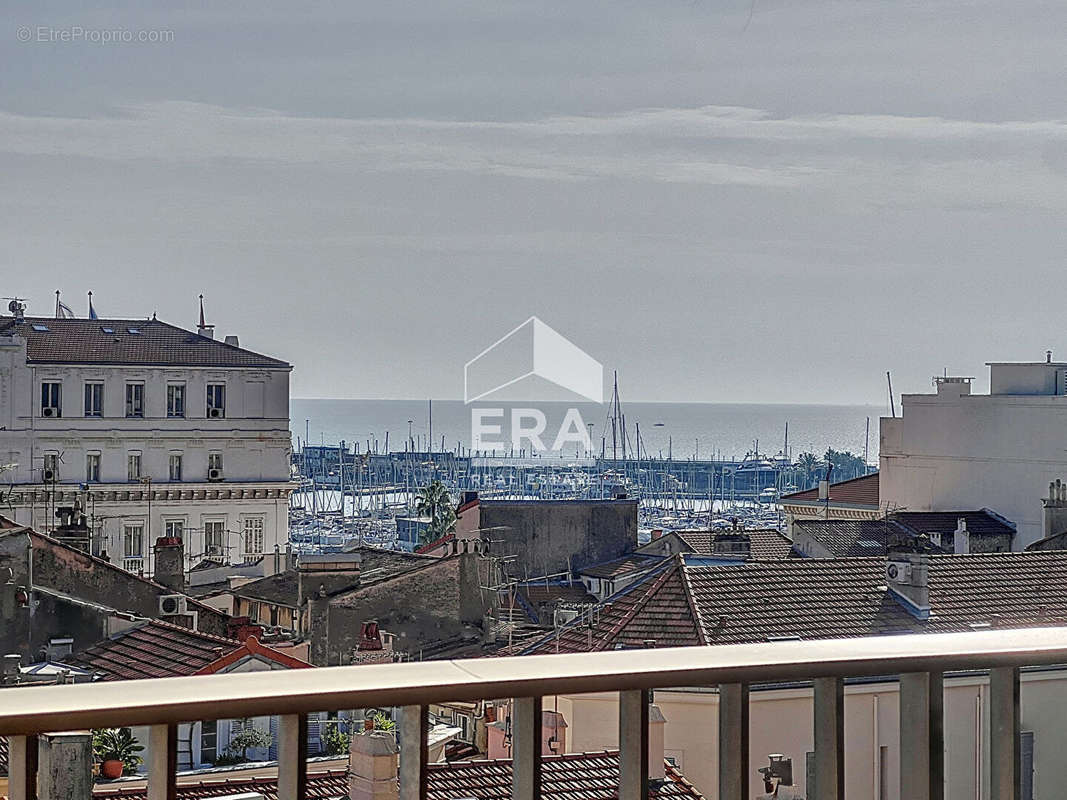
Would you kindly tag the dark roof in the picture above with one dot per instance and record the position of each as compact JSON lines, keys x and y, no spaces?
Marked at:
{"x":844,"y":538}
{"x":153,"y":650}
{"x":635,"y":562}
{"x":538,"y":593}
{"x":983,"y":522}
{"x":862,"y":491}
{"x":680,"y":604}
{"x":574,"y":776}
{"x":765,"y":543}
{"x":156,"y":343}
{"x":281,"y":588}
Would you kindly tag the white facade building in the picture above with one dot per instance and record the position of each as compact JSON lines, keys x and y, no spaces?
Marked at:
{"x":955,"y":450}
{"x":152,"y":429}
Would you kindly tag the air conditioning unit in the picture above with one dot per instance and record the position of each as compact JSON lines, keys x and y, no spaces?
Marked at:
{"x":898,"y":571}
{"x":214,"y":413}
{"x":173,"y":604}
{"x":49,"y":411}
{"x":48,"y":475}
{"x":214,"y":474}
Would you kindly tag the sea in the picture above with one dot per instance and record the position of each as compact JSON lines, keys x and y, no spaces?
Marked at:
{"x":676,"y":430}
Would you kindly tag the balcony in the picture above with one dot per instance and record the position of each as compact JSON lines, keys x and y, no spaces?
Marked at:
{"x":920,"y":660}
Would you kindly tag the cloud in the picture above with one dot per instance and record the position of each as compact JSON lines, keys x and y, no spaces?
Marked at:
{"x":884,"y":157}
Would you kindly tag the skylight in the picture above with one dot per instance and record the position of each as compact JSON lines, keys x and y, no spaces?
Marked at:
{"x":107,"y":330}
{"x":133,"y":330}
{"x":39,"y":327}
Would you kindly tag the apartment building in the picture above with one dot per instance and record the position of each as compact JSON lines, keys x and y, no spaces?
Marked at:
{"x":147,"y":430}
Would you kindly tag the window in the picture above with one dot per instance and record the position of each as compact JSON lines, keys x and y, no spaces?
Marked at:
{"x":175,"y":529}
{"x":176,"y":400}
{"x":175,"y":466}
{"x":52,"y":399}
{"x":94,"y":399}
{"x":133,"y":547}
{"x":134,"y":399}
{"x":92,"y":467}
{"x":253,"y":539}
{"x":209,"y":741}
{"x":214,"y":466}
{"x":216,"y":400}
{"x":50,"y":468}
{"x":133,"y":467}
{"x":215,"y":539}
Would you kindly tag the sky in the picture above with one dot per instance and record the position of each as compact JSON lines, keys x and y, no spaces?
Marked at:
{"x":724,"y":200}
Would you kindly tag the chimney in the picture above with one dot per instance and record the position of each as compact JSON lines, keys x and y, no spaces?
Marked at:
{"x":907,"y":576}
{"x":205,"y":330}
{"x":824,"y":491}
{"x":12,"y":662}
{"x":657,"y":533}
{"x":656,"y":723}
{"x":961,"y":538}
{"x":732,"y":544}
{"x":1055,"y":509}
{"x":65,"y":766}
{"x":370,"y":636}
{"x":372,"y":766}
{"x":233,"y":341}
{"x":170,"y":563}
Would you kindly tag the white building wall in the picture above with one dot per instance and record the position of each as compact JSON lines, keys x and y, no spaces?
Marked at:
{"x":956,"y":451}
{"x":252,"y":440}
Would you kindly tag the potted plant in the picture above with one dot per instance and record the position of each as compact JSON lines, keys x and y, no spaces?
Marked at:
{"x":117,"y":751}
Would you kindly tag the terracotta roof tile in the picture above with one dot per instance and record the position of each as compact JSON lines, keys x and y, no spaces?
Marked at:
{"x":862,"y":491}
{"x":156,"y":343}
{"x":755,"y":601}
{"x":766,"y":543}
{"x":154,"y":650}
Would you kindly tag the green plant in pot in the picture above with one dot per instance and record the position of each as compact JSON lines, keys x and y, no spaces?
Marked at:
{"x":117,"y":751}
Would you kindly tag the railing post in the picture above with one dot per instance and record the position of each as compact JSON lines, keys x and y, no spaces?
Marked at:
{"x":526,"y":748}
{"x":22,"y":767}
{"x":1005,"y":767}
{"x":922,"y":742}
{"x":292,"y":756}
{"x":733,"y":741}
{"x":633,"y":744}
{"x":162,"y":761}
{"x":829,"y":739}
{"x":414,"y":732}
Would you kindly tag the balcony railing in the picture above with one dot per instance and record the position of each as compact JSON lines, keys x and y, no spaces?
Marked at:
{"x":920,"y":660}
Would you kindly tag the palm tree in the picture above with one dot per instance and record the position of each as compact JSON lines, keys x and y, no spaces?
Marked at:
{"x":435,"y":502}
{"x":807,"y":463}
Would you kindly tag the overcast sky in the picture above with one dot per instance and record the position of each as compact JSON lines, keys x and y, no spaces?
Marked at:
{"x":726,"y":201}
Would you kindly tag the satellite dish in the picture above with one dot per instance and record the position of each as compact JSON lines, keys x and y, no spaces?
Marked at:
{"x":13,"y":306}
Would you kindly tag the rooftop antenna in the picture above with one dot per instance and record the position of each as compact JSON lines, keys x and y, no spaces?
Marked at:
{"x":892,"y":405}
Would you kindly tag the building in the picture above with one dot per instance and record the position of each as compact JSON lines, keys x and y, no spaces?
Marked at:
{"x":153,"y":649}
{"x":686,"y":603}
{"x":146,"y":429}
{"x":954,"y":449}
{"x":858,"y":498}
{"x":53,"y":591}
{"x":546,"y":537}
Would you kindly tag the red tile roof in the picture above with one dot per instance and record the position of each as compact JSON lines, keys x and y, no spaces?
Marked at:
{"x":156,"y":343}
{"x":574,"y":776}
{"x":680,"y":604}
{"x":161,"y":650}
{"x":861,"y":491}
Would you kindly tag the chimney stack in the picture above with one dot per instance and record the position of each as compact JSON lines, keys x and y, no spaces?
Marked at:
{"x":170,"y":563}
{"x":372,"y":766}
{"x":656,"y":723}
{"x":12,"y":662}
{"x":961,"y":538}
{"x":907,"y":576}
{"x":1055,"y":509}
{"x":824,"y":491}
{"x":732,"y":544}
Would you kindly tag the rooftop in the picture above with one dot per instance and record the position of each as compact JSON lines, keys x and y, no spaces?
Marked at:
{"x":862,"y":491}
{"x":158,"y":649}
{"x":147,"y":342}
{"x":679,"y":604}
{"x":574,"y":776}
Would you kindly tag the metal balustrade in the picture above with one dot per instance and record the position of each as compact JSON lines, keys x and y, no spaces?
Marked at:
{"x":920,"y":660}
